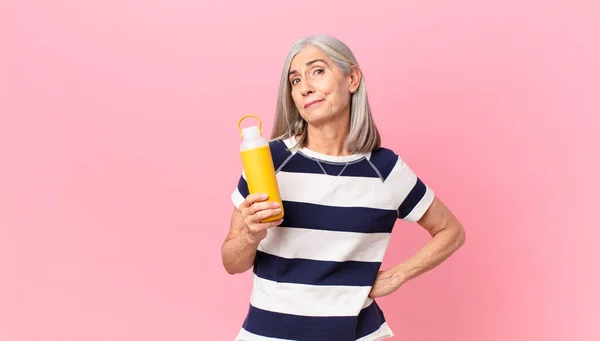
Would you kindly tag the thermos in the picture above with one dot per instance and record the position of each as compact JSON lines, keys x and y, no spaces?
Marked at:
{"x":258,"y":164}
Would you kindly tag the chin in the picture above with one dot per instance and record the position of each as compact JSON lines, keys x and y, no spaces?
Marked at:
{"x":315,"y":118}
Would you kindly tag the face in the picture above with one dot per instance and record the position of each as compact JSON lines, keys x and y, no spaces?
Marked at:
{"x":320,"y":90}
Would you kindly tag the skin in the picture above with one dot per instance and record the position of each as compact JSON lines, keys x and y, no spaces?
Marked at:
{"x":322,"y":93}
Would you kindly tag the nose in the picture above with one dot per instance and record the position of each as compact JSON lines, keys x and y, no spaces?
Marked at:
{"x":306,"y":88}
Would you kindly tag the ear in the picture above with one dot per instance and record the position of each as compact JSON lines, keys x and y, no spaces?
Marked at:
{"x":354,"y":79}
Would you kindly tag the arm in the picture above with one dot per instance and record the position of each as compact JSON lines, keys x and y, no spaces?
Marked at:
{"x":246,"y":232}
{"x":447,"y":235}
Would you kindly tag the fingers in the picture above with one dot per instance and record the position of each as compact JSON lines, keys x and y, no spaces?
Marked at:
{"x":260,"y":215}
{"x":255,"y":203}
{"x":255,"y":209}
{"x":259,"y":209}
{"x":253,"y":198}
{"x":265,"y":213}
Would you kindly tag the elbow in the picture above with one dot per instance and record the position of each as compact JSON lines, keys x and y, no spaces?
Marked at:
{"x":233,"y":269}
{"x":228,"y":266}
{"x":230,"y":271}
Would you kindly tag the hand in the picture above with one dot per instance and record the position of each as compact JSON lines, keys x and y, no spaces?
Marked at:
{"x":254,"y":209}
{"x":386,"y":283}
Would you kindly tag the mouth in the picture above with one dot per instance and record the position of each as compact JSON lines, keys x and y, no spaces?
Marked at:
{"x":310,"y":104}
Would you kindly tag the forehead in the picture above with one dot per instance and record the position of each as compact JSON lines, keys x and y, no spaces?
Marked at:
{"x":308,"y":54}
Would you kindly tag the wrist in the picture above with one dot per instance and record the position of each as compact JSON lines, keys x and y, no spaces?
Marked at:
{"x":399,"y":276}
{"x":252,"y":238}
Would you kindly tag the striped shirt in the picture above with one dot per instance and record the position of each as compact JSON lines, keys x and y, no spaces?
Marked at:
{"x":312,"y":274}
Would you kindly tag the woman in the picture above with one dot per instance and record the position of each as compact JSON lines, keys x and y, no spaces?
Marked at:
{"x":317,"y":271}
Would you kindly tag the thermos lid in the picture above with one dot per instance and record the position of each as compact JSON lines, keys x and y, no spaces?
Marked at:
{"x":251,"y":132}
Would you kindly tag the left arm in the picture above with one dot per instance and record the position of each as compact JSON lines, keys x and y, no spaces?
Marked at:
{"x":447,"y":235}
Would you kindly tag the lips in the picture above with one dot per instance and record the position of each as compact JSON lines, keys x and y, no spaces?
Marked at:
{"x":309,"y":104}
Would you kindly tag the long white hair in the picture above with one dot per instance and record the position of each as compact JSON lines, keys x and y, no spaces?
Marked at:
{"x":363,"y":136}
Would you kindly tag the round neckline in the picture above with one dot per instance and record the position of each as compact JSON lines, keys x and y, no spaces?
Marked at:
{"x":291,"y":142}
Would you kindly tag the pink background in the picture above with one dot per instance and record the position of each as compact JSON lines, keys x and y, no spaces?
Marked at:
{"x":114,"y":184}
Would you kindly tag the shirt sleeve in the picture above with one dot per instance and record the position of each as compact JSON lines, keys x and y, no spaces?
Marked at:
{"x":413,"y":196}
{"x":240,"y":192}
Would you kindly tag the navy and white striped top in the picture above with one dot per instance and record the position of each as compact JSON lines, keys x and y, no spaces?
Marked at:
{"x":313,"y":273}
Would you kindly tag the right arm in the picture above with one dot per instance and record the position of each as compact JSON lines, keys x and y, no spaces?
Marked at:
{"x":246,"y":232}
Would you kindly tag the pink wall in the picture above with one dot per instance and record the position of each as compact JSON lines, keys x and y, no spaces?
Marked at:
{"x":114,"y":188}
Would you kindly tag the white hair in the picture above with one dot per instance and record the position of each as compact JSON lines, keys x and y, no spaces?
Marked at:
{"x":363,"y":136}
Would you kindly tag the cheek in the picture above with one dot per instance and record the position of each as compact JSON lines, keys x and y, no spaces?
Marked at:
{"x":296,"y":97}
{"x":340,"y":99}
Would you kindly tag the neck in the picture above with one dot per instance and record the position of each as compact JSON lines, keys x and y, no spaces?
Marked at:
{"x":328,"y":138}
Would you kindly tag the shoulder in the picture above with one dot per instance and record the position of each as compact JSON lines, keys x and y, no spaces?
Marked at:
{"x":277,"y":146}
{"x":384,"y":160}
{"x":279,"y":151}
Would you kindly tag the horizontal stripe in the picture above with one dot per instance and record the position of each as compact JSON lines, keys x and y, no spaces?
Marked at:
{"x":292,"y":143}
{"x":371,"y":319}
{"x":419,"y":210}
{"x":302,"y":164}
{"x":402,"y":190}
{"x":308,"y":300}
{"x":243,"y":185}
{"x":343,"y":191}
{"x":347,"y":191}
{"x":412,"y":211}
{"x":412,"y":199}
{"x":343,"y":219}
{"x":378,"y":163}
{"x":285,"y":326}
{"x":245,"y":335}
{"x":383,"y":332}
{"x":237,"y":198}
{"x":416,"y":196}
{"x":313,"y":272}
{"x":325,"y":245}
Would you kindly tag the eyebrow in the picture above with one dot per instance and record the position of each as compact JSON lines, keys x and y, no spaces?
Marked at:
{"x":309,"y":63}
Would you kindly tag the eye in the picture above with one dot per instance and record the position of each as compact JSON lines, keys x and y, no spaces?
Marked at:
{"x":293,"y":81}
{"x":319,"y":71}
